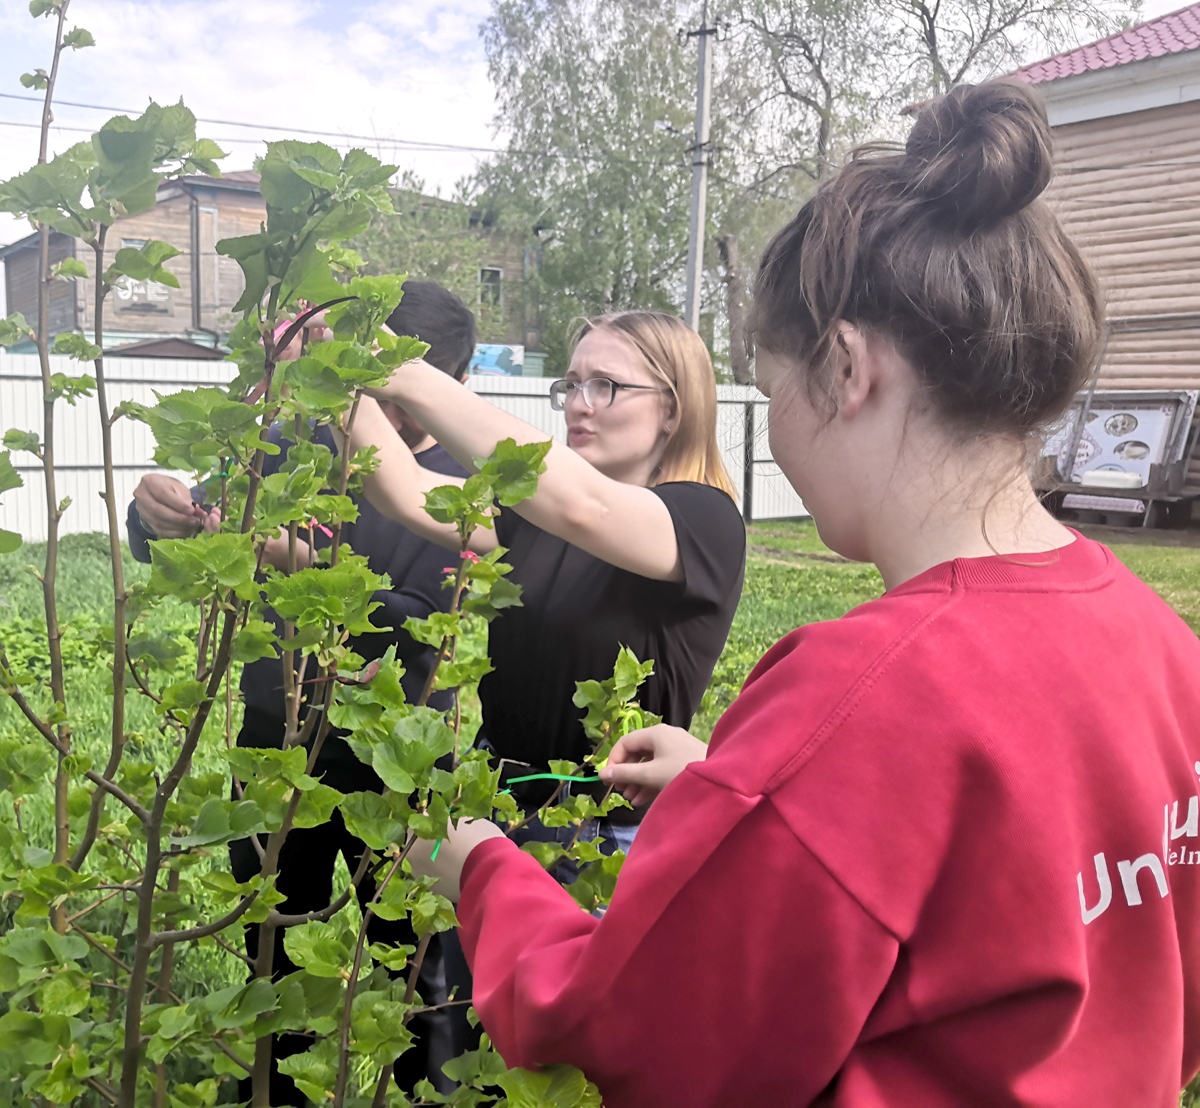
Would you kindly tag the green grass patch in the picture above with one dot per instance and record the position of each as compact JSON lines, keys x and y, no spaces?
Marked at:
{"x":792,"y":579}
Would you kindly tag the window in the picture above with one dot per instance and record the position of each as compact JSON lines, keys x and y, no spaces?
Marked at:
{"x":489,"y":286}
{"x":135,"y":244}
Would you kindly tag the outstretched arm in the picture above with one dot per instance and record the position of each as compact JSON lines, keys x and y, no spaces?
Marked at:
{"x":398,"y":487}
{"x":625,"y":525}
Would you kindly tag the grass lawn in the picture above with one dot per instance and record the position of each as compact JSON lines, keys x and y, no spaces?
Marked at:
{"x":791,"y":579}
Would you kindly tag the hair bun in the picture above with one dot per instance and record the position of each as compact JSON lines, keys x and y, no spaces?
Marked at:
{"x":981,"y":152}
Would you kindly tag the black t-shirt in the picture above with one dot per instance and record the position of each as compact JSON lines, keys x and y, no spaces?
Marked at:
{"x":578,"y":611}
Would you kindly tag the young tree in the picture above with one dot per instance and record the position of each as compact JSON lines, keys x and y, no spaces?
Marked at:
{"x":596,"y":98}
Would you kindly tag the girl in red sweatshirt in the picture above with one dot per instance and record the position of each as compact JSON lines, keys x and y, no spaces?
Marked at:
{"x":944,"y":851}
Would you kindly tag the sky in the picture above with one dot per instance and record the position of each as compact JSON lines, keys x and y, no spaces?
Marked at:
{"x":398,"y":72}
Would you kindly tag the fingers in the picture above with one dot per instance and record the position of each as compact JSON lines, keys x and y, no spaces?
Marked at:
{"x":643,"y":763}
{"x":212,"y":521}
{"x":166,"y":506}
{"x":631,"y":773}
{"x":632,"y":748}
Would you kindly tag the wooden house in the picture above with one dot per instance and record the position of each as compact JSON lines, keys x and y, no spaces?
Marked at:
{"x":192,"y":214}
{"x":146,"y":319}
{"x":1125,"y":113}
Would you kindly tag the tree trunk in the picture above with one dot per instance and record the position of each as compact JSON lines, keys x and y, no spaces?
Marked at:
{"x":741,"y":347}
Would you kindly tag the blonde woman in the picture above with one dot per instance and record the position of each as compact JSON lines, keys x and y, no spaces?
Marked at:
{"x":632,"y":539}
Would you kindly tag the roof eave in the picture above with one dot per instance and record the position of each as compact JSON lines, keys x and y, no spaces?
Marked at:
{"x":1120,"y":89}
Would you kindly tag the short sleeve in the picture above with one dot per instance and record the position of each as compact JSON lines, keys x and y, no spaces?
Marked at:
{"x":507,"y":523}
{"x":711,"y":537}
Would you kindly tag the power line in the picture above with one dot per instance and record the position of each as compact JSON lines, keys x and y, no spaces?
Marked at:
{"x":408,"y":144}
{"x":225,"y":139}
{"x":269,"y":127}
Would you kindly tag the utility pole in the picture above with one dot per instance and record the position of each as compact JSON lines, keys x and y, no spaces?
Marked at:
{"x":700,"y":156}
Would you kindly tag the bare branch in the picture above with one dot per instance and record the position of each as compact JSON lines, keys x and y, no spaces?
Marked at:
{"x":206,"y":929}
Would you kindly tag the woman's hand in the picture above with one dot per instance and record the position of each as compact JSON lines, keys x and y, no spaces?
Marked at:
{"x":644,"y":763}
{"x":167,"y":508}
{"x":275,"y":552}
{"x":452,"y":855}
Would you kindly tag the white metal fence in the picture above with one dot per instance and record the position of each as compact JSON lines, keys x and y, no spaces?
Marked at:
{"x":741,"y":427}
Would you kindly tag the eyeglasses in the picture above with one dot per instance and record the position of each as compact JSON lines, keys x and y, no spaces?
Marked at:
{"x":597,"y":392}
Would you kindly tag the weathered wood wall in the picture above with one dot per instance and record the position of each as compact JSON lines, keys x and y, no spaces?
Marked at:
{"x":21,"y":283}
{"x":225,"y":215}
{"x":1127,"y":188}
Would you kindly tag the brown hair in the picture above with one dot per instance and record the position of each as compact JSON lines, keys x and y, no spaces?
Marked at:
{"x":944,"y":249}
{"x":677,"y":357}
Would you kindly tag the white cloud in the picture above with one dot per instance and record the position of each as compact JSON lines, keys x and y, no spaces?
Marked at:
{"x":404,"y":69}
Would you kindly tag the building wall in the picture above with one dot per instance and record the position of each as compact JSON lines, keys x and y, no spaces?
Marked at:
{"x":1127,"y":188}
{"x":223,"y":214}
{"x":21,"y":284}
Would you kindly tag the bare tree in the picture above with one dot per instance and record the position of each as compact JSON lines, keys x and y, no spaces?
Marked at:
{"x":740,"y":343}
{"x":960,"y":40}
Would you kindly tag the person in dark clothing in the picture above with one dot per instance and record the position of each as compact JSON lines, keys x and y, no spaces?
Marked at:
{"x":633,"y":537}
{"x":163,"y":507}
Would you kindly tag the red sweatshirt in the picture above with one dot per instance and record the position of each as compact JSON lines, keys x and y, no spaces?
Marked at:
{"x":943,"y":852}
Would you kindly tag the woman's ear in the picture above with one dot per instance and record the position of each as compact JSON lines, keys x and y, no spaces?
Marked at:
{"x":669,"y":420}
{"x":854,"y":370}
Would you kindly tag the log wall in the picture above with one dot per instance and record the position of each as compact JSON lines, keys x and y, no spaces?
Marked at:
{"x":1127,"y":188}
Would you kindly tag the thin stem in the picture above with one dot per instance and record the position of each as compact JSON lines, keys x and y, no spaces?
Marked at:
{"x":447,"y":648}
{"x":62,"y":782}
{"x":339,"y":1093}
{"x":162,"y":938}
{"x":102,"y":1088}
{"x":47,"y":732}
{"x":385,"y":1079}
{"x":120,"y":596}
{"x":510,"y":831}
{"x":146,"y":940}
{"x":414,"y":972}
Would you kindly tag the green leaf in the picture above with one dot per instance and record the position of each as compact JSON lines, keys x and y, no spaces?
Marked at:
{"x":76,"y":346}
{"x":192,"y":569}
{"x":322,"y":949}
{"x":77,"y":38}
{"x":513,"y":470}
{"x":9,"y":477}
{"x":67,"y":269}
{"x":256,"y":640}
{"x":434,"y":628}
{"x":394,"y":958}
{"x":143,"y":263}
{"x":417,"y":741}
{"x":315,"y":1071}
{"x":182,"y":699}
{"x":546,"y":853}
{"x":378,"y":820}
{"x":549,"y":1087}
{"x":328,"y":597}
{"x":22,"y":440}
{"x":317,"y":805}
{"x":271,"y":764}
{"x":210,"y":826}
{"x":14,"y":329}
{"x":38,"y":79}
{"x":71,"y":389}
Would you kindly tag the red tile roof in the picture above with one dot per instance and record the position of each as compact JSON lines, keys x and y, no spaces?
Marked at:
{"x":1168,"y":34}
